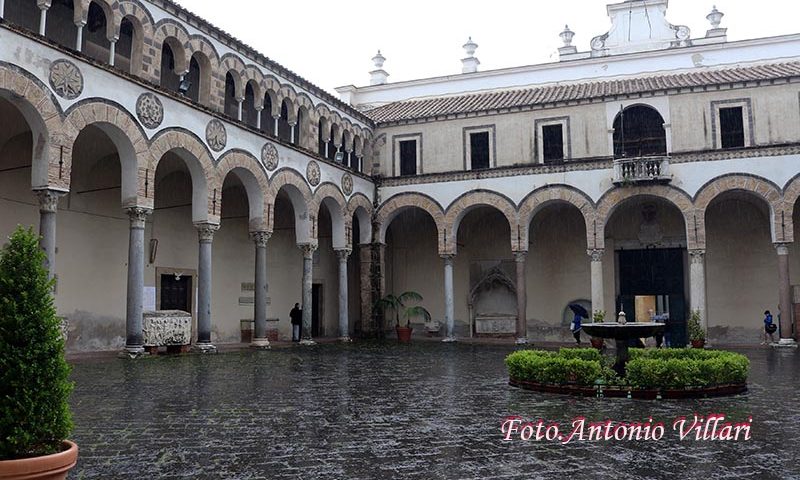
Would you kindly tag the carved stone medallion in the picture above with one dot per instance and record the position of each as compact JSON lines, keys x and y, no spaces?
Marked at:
{"x":149,"y":110}
{"x":347,"y":184}
{"x":313,"y":173}
{"x":66,"y":79}
{"x":216,"y":135}
{"x":269,"y":156}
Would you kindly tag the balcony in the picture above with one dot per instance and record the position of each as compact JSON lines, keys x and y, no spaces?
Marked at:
{"x":637,"y":170}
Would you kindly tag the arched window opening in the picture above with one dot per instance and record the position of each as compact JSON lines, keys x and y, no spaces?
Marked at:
{"x":332,"y":143}
{"x":95,"y":42}
{"x":126,"y":58}
{"x":231,"y":105}
{"x":169,"y":79}
{"x":60,"y":26}
{"x":267,"y":122}
{"x":193,"y":77}
{"x":321,"y":137}
{"x":284,"y":130}
{"x":639,"y":132}
{"x":299,"y":127}
{"x":23,"y":13}
{"x":249,"y":112}
{"x":354,"y":153}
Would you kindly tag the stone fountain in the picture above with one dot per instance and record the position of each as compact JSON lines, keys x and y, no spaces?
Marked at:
{"x":622,"y":332}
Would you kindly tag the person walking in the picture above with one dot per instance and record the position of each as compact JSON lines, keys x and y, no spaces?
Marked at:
{"x":769,"y":328}
{"x":296,"y":316}
{"x":575,"y":326}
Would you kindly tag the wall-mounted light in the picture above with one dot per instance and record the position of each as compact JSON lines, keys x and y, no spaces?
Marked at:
{"x":184,"y":86}
{"x":153,"y":249}
{"x":339,"y":157}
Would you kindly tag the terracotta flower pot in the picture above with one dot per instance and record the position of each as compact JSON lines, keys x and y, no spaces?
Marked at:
{"x":698,"y":343}
{"x":47,"y":467}
{"x":597,"y":342}
{"x":403,"y":334}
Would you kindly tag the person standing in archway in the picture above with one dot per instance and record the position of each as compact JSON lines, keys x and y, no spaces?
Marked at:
{"x":296,"y":316}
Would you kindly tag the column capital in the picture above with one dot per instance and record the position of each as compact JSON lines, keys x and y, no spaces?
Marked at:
{"x":239,"y":99}
{"x":308,"y":249}
{"x":596,"y":254}
{"x":259,"y":108}
{"x":138,"y":216}
{"x":260,"y":238}
{"x":782,"y":247}
{"x":520,"y":256}
{"x":447,"y":257}
{"x":205,"y":231}
{"x":696,"y":255}
{"x":48,"y":200}
{"x":343,"y":253}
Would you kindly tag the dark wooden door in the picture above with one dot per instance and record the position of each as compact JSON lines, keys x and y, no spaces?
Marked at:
{"x":176,"y":293}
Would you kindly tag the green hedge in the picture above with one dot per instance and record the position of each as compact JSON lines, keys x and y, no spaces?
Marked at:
{"x":678,"y":368}
{"x":662,"y":368}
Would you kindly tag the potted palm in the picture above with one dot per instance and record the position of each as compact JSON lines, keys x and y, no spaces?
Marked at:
{"x":697,"y":336}
{"x":35,"y":418}
{"x":397,"y":304}
{"x":598,"y":316}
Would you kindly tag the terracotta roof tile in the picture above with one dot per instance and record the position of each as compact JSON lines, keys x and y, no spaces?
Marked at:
{"x":525,"y":97}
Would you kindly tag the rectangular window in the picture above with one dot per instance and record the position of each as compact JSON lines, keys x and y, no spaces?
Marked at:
{"x":479,"y":150}
{"x":408,"y":157}
{"x":731,"y":124}
{"x":553,"y":143}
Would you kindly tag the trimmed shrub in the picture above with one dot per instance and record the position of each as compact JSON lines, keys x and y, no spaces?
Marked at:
{"x":548,"y":367}
{"x":34,"y":388}
{"x":588,"y":354}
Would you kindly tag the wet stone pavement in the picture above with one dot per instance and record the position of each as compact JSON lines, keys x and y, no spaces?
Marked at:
{"x":370,"y":411}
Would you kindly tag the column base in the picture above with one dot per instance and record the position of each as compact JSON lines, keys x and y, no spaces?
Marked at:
{"x":784,"y":343}
{"x":522,"y":341}
{"x":132,"y":352}
{"x":345,"y":339}
{"x":204,"y":348}
{"x":307,"y":341}
{"x":449,"y":340}
{"x":260,"y":344}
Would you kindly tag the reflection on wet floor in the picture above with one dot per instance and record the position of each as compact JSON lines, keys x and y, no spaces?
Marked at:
{"x":368,"y":411}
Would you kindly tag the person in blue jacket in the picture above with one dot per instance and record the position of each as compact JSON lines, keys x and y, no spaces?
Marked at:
{"x":769,"y":328}
{"x":576,"y":328}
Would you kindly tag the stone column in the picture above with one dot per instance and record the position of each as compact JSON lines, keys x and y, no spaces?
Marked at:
{"x":522,"y":299}
{"x":43,"y":6}
{"x":275,"y":123}
{"x":598,"y":303}
{"x":112,"y":48}
{"x":48,"y":205}
{"x":133,"y":318}
{"x":308,"y":265}
{"x":260,"y":304}
{"x":327,"y":142}
{"x":448,"y":298}
{"x":79,"y":36}
{"x":2,"y":8}
{"x":344,"y":323}
{"x":205,"y":233}
{"x":697,"y":285}
{"x":240,"y":101}
{"x":258,"y":117}
{"x":784,"y":295}
{"x":293,"y":133}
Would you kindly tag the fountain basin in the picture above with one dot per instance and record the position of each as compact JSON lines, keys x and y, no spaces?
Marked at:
{"x":618,"y":331}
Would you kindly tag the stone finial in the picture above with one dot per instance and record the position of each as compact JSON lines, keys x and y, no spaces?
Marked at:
{"x":566,"y":36}
{"x":379,"y":75}
{"x":470,"y":63}
{"x":715,"y":17}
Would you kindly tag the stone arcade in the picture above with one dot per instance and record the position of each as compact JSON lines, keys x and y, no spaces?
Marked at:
{"x":168,"y":166}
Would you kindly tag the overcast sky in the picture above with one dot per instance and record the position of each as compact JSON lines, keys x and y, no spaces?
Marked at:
{"x":331,"y":43}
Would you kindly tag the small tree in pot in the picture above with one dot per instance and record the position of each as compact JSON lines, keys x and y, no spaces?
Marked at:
{"x":697,"y":336}
{"x":397,"y":304}
{"x":34,"y":388}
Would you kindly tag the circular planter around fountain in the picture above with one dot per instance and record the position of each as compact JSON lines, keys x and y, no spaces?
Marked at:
{"x":47,"y":467}
{"x":614,"y":391}
{"x":403,"y":334}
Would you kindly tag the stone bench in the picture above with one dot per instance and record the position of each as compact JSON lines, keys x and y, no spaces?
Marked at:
{"x":167,"y":328}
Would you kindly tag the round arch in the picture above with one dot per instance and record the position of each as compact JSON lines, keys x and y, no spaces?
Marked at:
{"x":540,"y":198}
{"x":330,"y":195}
{"x":255,"y":182}
{"x":295,"y":186}
{"x":361,"y":207}
{"x":472,"y":200}
{"x":404,"y":201}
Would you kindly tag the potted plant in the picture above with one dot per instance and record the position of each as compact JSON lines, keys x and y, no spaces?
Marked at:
{"x":397,"y":304}
{"x":35,"y":418}
{"x":598,"y":316}
{"x":697,"y":336}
